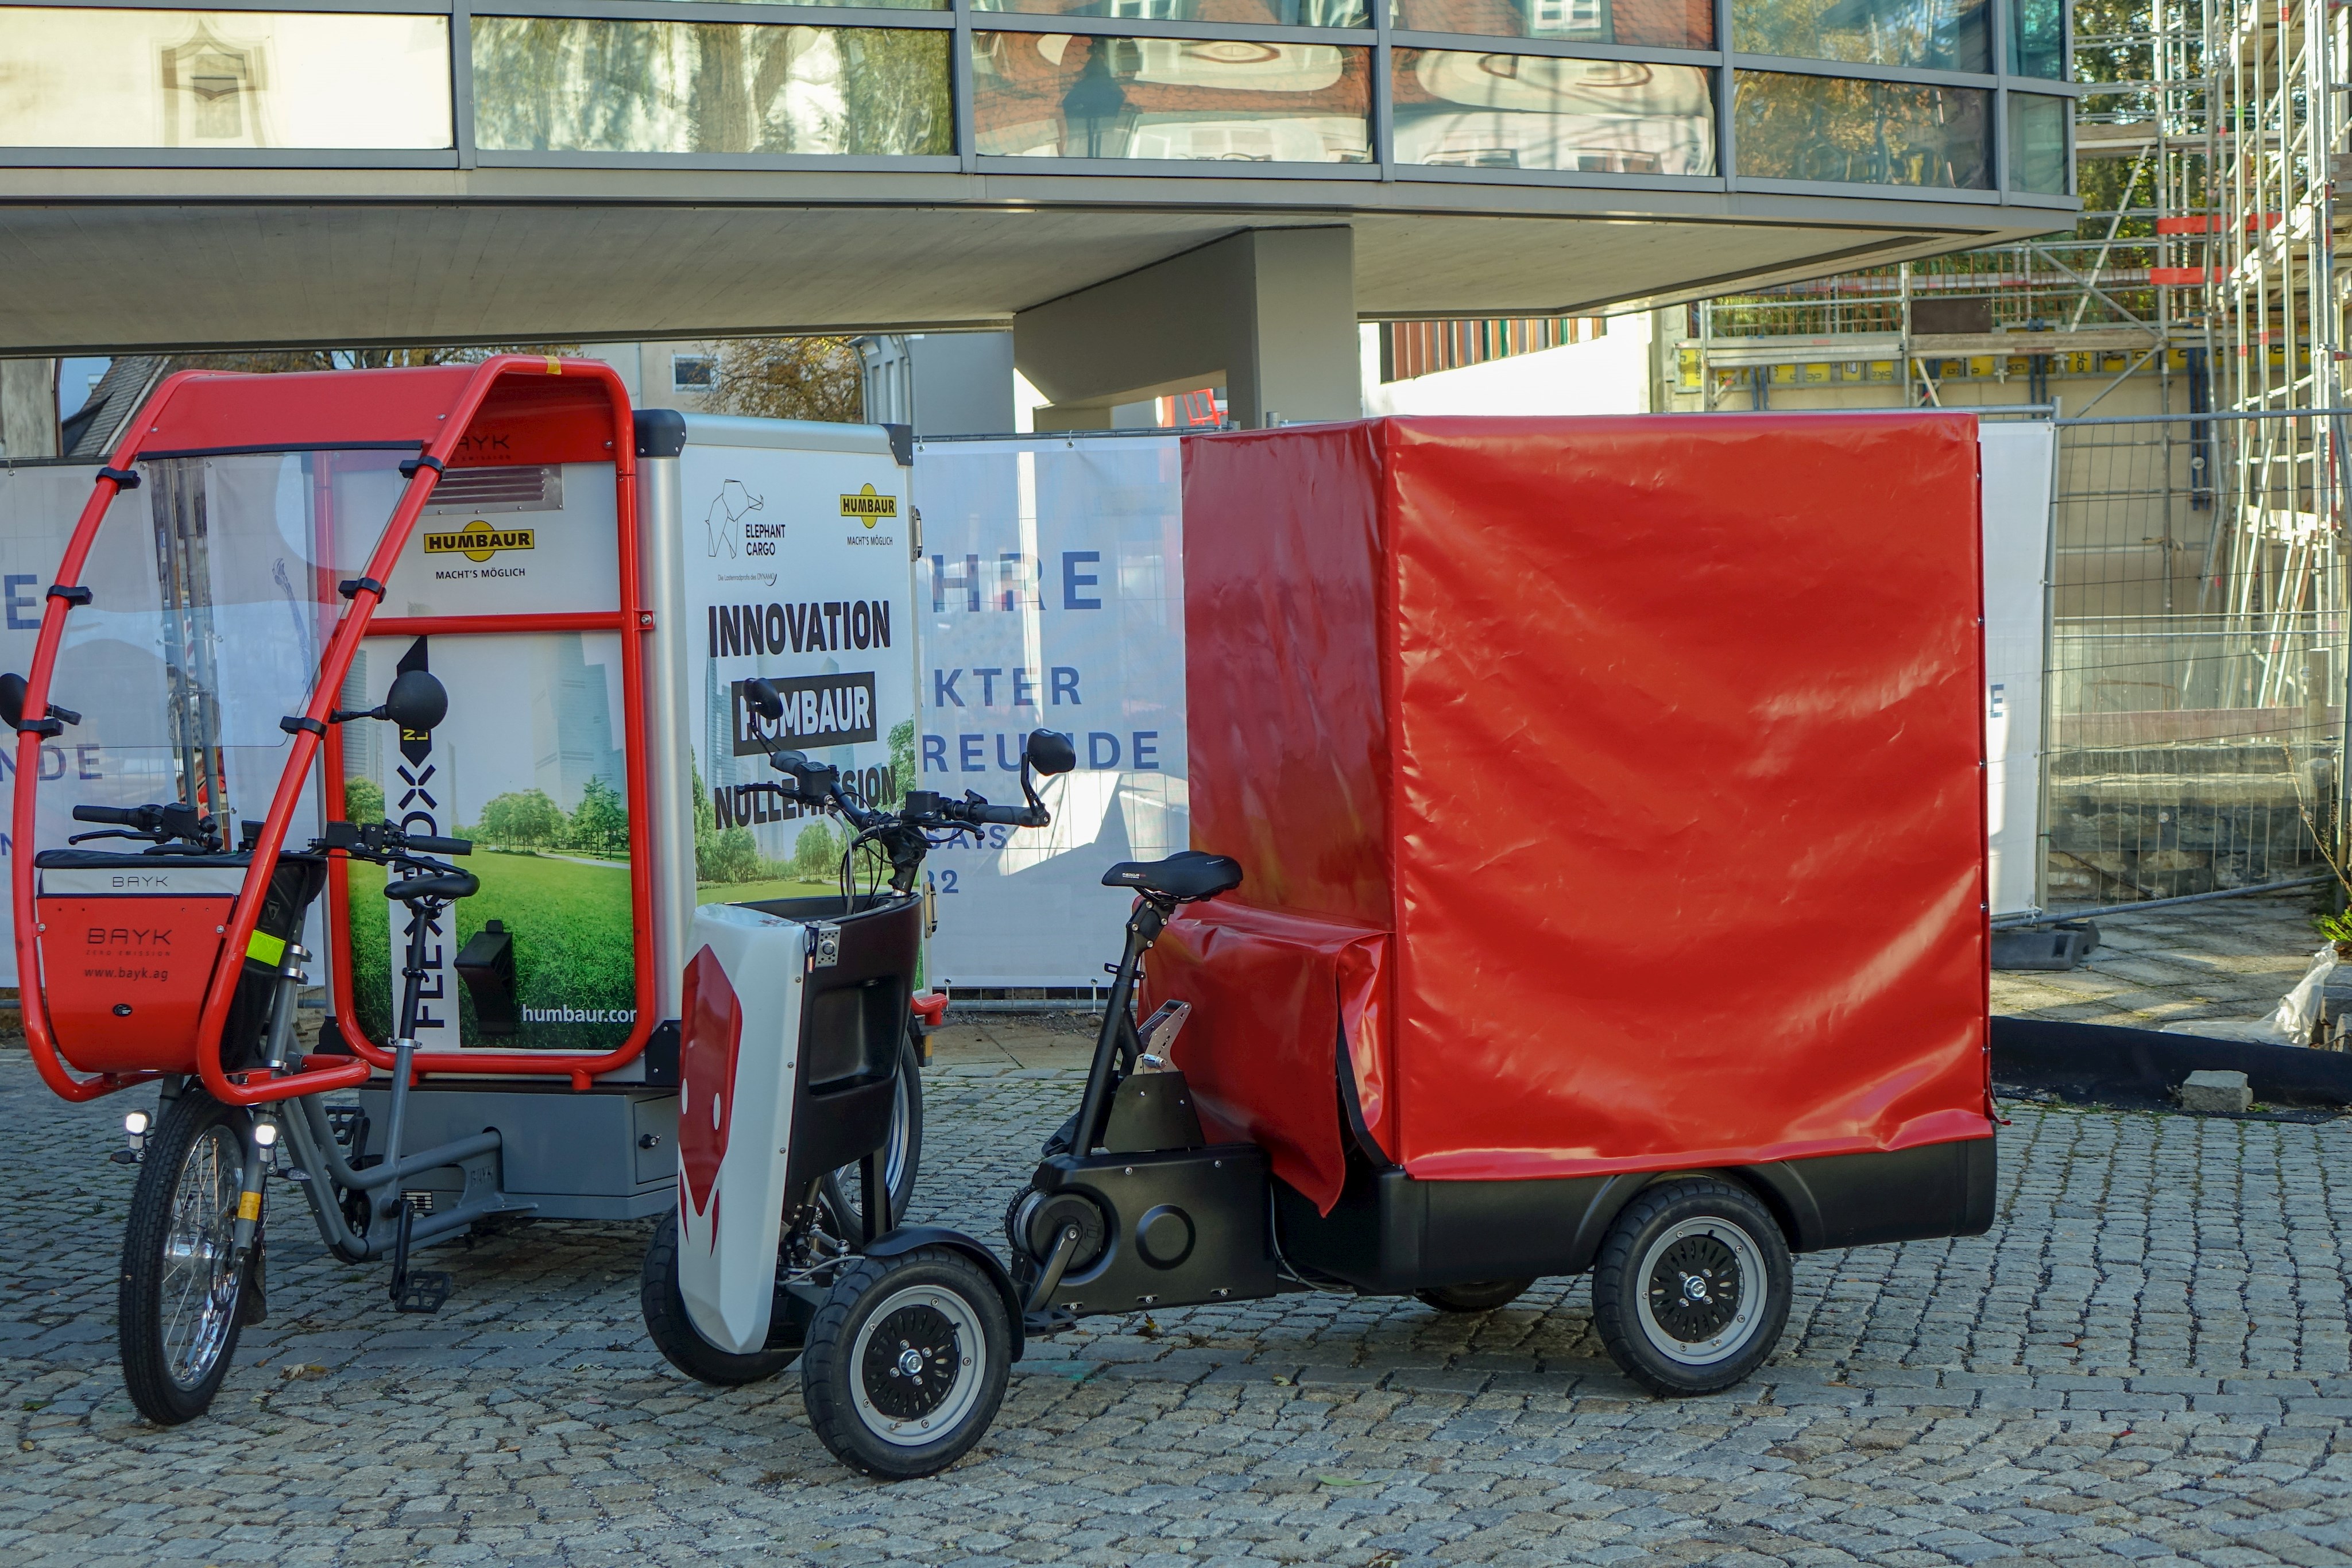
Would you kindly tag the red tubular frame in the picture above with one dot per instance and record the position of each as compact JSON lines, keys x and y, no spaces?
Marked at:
{"x":354,"y":625}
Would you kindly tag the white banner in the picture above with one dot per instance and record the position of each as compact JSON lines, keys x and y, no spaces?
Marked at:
{"x":2015,"y":496}
{"x":39,"y":507}
{"x":1051,"y":595}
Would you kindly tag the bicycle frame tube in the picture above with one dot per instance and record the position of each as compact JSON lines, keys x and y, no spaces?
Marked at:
{"x":304,"y":751}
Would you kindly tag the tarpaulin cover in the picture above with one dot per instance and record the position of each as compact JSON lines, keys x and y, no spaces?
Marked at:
{"x":1609,"y":791}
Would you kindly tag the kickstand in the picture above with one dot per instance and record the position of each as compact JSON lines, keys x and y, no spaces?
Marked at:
{"x":422,"y":1292}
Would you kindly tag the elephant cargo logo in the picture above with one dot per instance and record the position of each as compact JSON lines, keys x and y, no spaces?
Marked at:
{"x":478,"y":542}
{"x":868,"y":507}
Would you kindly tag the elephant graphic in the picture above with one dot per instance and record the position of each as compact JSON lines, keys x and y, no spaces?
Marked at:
{"x":723,"y":523}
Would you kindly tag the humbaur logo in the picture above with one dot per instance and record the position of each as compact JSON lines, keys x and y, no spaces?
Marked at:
{"x":868,"y":507}
{"x":478,"y":542}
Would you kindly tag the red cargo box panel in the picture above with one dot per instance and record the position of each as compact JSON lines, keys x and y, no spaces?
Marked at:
{"x":1609,"y":791}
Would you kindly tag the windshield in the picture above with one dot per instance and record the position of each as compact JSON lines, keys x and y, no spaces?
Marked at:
{"x":213,"y":595}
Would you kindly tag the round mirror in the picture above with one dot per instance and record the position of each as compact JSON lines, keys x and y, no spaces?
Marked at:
{"x":761,"y":695}
{"x":12,"y":699}
{"x":416,"y":702}
{"x":1049,"y":753}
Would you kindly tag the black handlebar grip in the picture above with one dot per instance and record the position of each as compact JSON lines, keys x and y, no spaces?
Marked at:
{"x":433,"y":846}
{"x":1009,"y":816}
{"x":120,"y":816}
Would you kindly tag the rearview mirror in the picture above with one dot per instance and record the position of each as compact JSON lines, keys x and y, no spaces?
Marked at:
{"x":1049,"y":753}
{"x":416,"y":703}
{"x":12,"y":700}
{"x":763,"y":700}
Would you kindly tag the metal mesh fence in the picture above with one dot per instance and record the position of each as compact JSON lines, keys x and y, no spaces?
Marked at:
{"x":2197,"y":655}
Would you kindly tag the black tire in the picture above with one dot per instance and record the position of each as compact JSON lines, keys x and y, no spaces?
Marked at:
{"x":889,"y":1324}
{"x":1660,"y":1284}
{"x":903,"y":1154}
{"x":182,"y":1304}
{"x":674,"y":1334}
{"x":1478,"y":1296}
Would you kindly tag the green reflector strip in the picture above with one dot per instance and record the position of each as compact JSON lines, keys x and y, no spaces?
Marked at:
{"x":266,"y":950}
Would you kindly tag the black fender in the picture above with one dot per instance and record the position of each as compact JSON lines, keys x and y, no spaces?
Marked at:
{"x":905,"y":1238}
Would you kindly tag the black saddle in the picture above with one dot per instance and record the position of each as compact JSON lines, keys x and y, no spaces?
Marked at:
{"x":445,"y":888}
{"x":1183,"y":876}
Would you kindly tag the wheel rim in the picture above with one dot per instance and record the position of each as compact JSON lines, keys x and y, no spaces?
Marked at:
{"x":198,"y":1294}
{"x":916,"y":1367}
{"x":1702,"y":1291}
{"x":893,"y":1155}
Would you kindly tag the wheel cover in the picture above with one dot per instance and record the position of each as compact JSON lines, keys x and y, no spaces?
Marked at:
{"x":197,"y":1298}
{"x":1702,"y":1291}
{"x":916,"y":1367}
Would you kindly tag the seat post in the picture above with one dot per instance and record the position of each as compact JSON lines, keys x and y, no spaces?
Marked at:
{"x":1143,"y":928}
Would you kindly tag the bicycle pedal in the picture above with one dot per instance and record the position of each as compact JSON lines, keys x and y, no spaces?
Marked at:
{"x":422,"y":1291}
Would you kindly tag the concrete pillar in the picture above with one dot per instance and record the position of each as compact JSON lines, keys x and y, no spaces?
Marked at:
{"x":29,"y":408}
{"x":1269,"y":313}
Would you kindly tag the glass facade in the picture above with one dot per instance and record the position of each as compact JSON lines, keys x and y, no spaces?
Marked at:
{"x":1062,"y":95}
{"x":1831,"y":129}
{"x":1534,"y":111}
{"x":2038,"y":159}
{"x":1583,"y":91}
{"x":1643,"y":24}
{"x":569,"y":85}
{"x":222,"y":80}
{"x":1924,"y":35}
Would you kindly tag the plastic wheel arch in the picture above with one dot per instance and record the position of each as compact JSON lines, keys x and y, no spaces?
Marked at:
{"x":908,"y":1238}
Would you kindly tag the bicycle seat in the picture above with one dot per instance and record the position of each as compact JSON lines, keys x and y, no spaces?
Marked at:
{"x":442,"y":889}
{"x":1186,"y":876}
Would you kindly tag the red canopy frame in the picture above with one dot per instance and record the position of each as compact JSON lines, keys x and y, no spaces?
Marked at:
{"x":550,"y":410}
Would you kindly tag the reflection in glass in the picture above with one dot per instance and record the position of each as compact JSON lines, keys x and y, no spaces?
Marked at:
{"x":1240,"y":12}
{"x":570,"y":85}
{"x":1470,"y":110}
{"x":2037,"y":38}
{"x":222,"y":79}
{"x":1054,"y":94}
{"x":1654,"y":24}
{"x":1935,"y":34}
{"x":2037,"y":143}
{"x":1863,"y":132}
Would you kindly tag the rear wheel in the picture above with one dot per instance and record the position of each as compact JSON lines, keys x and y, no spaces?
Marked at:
{"x":1691,"y":1288}
{"x":182,"y":1300}
{"x":674,"y":1334}
{"x":907,"y":1362}
{"x":902,"y":1151}
{"x":1478,"y":1296}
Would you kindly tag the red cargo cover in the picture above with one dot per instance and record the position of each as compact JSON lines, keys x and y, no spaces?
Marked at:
{"x":1609,"y":790}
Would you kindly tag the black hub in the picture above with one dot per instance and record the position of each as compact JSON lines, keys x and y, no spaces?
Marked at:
{"x":1050,"y":1214}
{"x":1695,"y":1289}
{"x":911,"y":1362}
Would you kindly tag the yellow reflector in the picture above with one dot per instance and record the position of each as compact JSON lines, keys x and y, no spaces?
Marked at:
{"x":266,"y":950}
{"x":248,"y":1206}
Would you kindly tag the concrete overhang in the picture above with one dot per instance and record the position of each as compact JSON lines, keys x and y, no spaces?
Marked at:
{"x":118,"y":259}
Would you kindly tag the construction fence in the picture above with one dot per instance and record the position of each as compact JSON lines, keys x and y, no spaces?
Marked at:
{"x":2196,"y":667}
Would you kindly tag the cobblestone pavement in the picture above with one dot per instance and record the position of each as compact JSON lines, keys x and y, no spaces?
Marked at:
{"x":2231,"y":958}
{"x":2149,"y":1358}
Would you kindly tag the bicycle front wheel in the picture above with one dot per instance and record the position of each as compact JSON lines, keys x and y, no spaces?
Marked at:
{"x":182,"y":1287}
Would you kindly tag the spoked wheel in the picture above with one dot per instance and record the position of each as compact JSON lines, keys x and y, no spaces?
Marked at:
{"x":902,"y":1154}
{"x":907,"y":1362}
{"x":1691,"y":1290}
{"x":674,"y":1336}
{"x":1477,"y":1296}
{"x":182,"y":1288}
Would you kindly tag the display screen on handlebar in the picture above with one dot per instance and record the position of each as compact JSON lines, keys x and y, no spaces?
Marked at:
{"x":213,"y":593}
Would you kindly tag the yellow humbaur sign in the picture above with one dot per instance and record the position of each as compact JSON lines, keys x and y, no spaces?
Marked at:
{"x":870,"y":507}
{"x":478,"y":542}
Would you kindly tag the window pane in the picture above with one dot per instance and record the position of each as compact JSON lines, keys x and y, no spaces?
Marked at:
{"x":1658,"y":24}
{"x":1867,"y":132}
{"x":568,"y":85}
{"x":1238,"y":13}
{"x":1527,"y":111}
{"x":2037,"y":142}
{"x":1054,"y":94}
{"x":222,"y":79}
{"x":2037,"y":38}
{"x":1936,"y":34}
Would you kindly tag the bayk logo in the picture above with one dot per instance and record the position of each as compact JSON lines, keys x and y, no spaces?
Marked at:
{"x":723,"y":520}
{"x":869,"y":507}
{"x":478,"y":542}
{"x":128,"y":937}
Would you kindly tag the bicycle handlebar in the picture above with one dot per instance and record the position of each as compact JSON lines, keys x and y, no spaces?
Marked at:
{"x":120,"y":816}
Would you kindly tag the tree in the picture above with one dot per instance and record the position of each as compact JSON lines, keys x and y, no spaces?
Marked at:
{"x":816,"y":854}
{"x":790,"y":378}
{"x":362,"y":801}
{"x":601,"y":825}
{"x":902,"y":763}
{"x":522,"y":819}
